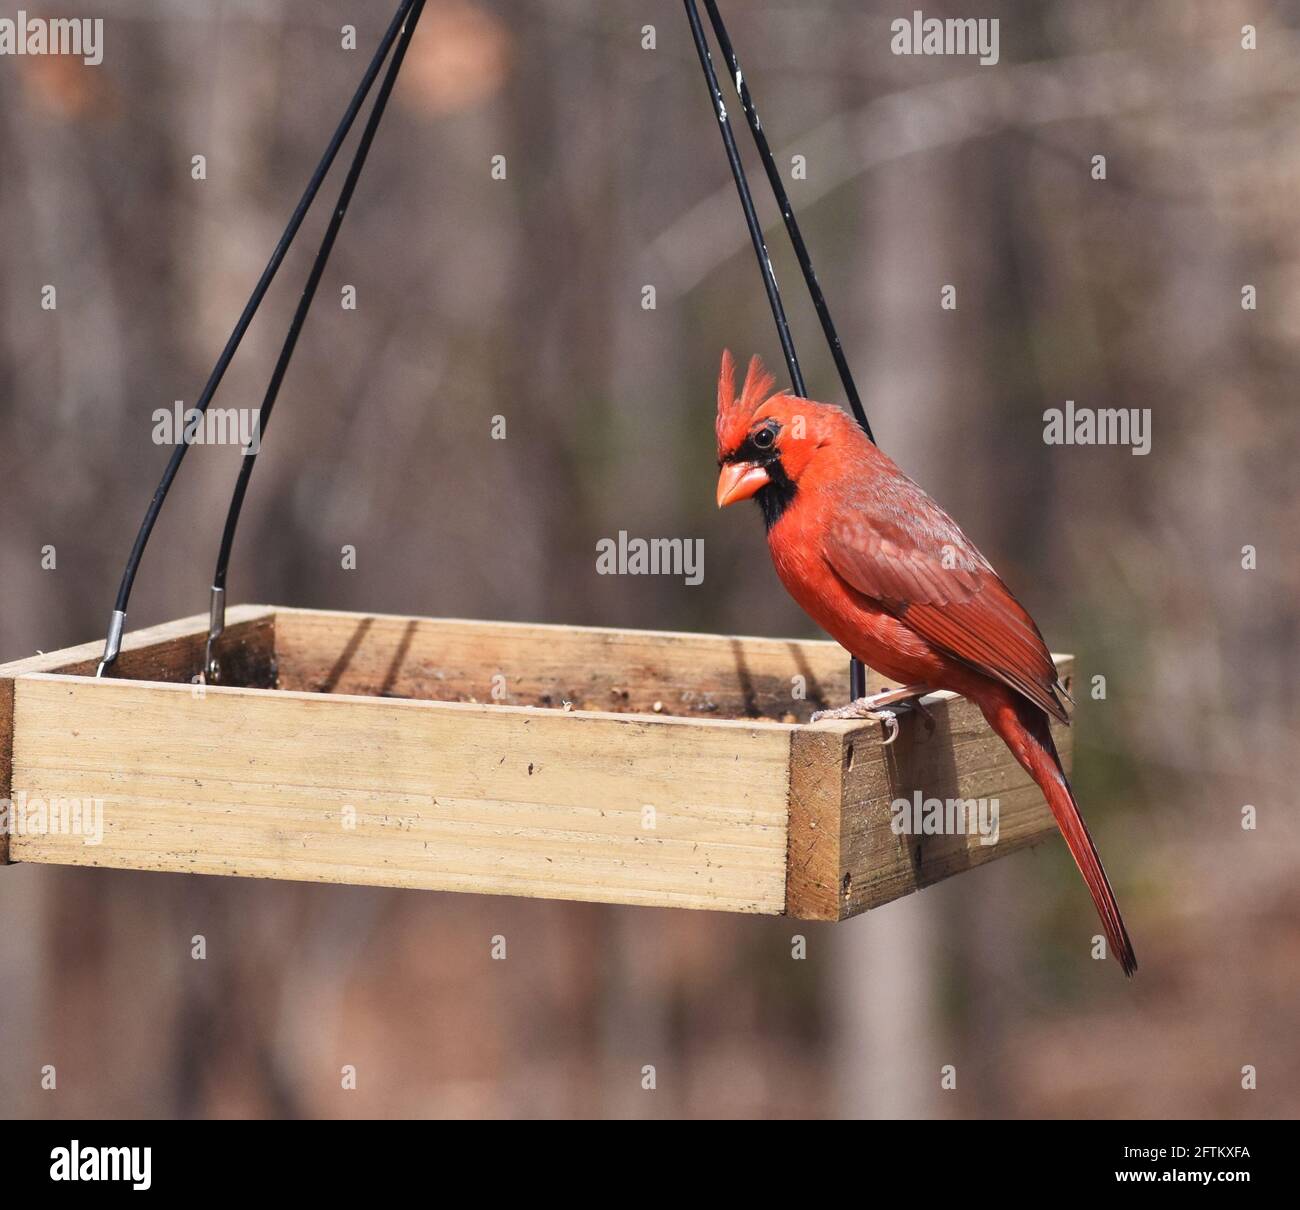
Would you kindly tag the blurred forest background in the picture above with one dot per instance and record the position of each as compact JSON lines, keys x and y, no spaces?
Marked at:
{"x":524,"y":297}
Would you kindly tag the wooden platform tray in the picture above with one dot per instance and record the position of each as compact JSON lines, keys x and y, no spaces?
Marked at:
{"x":617,"y":766}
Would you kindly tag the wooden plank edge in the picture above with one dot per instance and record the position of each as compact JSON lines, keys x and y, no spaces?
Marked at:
{"x":85,"y":658}
{"x":288,"y":616}
{"x":816,"y":887}
{"x":86,"y":655}
{"x":40,"y":747}
{"x":485,"y":709}
{"x":815,"y":824}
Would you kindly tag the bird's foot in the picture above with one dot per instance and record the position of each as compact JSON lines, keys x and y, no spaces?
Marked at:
{"x":875,"y":708}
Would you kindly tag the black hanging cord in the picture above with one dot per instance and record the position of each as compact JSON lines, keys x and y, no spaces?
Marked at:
{"x":787,"y":213}
{"x":116,"y":625}
{"x":217,"y":617}
{"x":746,"y":201}
{"x":857,"y":673}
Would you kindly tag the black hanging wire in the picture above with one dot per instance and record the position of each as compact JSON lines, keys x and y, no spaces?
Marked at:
{"x":412,"y":9}
{"x":746,"y":200}
{"x":216,"y":622}
{"x":857,"y":673}
{"x":112,"y":643}
{"x":787,"y":213}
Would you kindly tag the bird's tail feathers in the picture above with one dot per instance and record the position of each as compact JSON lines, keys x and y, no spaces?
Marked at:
{"x":1026,"y":732}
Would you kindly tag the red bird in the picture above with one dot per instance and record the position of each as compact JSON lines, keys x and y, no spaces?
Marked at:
{"x":887,"y":573}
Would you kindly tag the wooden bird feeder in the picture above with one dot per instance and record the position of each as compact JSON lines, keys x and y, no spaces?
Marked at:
{"x":615,"y":766}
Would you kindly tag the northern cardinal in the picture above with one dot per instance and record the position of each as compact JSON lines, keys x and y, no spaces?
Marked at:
{"x":875,"y":562}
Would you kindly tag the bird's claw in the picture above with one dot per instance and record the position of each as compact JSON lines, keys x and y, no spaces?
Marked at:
{"x":889,"y":718}
{"x":856,"y":710}
{"x":875,"y":709}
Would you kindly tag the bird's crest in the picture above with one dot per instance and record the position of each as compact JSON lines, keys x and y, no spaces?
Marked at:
{"x":734,"y":413}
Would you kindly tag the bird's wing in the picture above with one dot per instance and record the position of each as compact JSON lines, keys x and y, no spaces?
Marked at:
{"x":898,"y":547}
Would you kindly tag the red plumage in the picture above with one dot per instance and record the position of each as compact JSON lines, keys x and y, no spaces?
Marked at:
{"x":734,"y":412}
{"x":888,"y":574}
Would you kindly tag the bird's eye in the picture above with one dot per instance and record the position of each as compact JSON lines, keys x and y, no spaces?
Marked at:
{"x":764,"y":438}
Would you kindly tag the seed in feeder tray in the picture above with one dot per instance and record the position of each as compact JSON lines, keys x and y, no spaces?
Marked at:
{"x":658,"y":707}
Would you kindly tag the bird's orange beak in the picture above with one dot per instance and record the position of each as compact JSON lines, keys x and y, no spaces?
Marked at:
{"x":739,"y":481}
